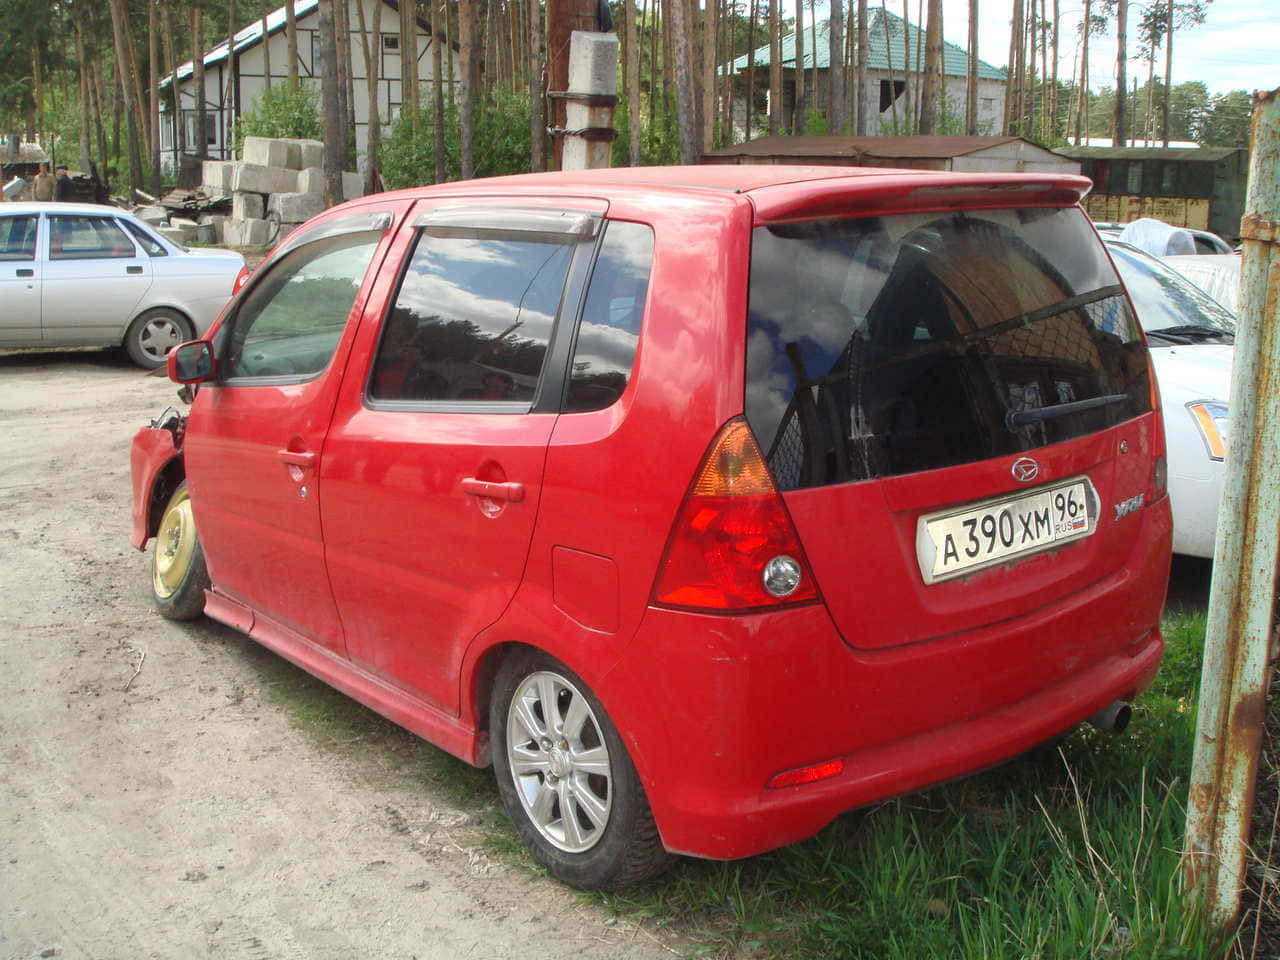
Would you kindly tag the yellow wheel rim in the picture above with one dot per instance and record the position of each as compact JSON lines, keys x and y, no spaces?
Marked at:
{"x":175,"y":545}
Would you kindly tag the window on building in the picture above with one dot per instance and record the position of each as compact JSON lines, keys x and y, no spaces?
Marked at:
{"x":210,"y":127}
{"x":886,"y":100}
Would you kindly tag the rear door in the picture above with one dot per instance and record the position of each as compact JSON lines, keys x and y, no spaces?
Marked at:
{"x":957,"y":409}
{"x":256,"y":435}
{"x":94,"y":279}
{"x":432,"y":470}
{"x":19,"y":279}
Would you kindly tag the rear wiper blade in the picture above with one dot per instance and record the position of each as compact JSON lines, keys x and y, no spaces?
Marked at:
{"x":1021,"y":418}
{"x":1194,"y":330}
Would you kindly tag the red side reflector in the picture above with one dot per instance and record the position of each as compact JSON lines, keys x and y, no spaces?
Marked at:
{"x":793,"y":778}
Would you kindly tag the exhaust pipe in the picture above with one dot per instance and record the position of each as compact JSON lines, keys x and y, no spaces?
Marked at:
{"x":1112,"y":718}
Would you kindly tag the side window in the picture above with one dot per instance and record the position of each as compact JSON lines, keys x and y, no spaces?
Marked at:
{"x":472,"y":318}
{"x":88,"y":238}
{"x":150,"y":244}
{"x":290,"y":322}
{"x":17,"y":238}
{"x":611,"y":317}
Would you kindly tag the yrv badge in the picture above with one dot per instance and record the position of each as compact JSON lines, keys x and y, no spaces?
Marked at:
{"x":1025,"y":469}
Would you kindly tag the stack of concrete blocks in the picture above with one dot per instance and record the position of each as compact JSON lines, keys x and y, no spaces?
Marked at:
{"x":276,"y":180}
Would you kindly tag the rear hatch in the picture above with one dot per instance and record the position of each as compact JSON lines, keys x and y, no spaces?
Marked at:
{"x":956,"y":407}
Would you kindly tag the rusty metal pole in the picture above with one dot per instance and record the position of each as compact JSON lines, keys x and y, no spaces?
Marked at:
{"x":1233,"y":686}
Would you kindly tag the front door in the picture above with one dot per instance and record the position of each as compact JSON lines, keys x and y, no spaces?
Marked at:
{"x":255,"y":435}
{"x":19,"y":280}
{"x":432,"y":472}
{"x":93,"y":282}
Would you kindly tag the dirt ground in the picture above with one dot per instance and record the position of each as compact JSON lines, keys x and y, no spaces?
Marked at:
{"x":154,"y":801}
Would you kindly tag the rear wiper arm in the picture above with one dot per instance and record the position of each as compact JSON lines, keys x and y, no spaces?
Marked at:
{"x":1194,"y":330}
{"x":1021,"y":418}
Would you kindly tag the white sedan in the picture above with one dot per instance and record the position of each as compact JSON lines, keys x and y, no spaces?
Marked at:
{"x":1191,"y":337}
{"x":81,"y":274}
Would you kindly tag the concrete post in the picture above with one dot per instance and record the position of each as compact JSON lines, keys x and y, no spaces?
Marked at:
{"x":1233,"y":686}
{"x":593,"y":82}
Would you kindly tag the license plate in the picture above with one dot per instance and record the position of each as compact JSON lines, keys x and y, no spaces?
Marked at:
{"x":956,"y":542}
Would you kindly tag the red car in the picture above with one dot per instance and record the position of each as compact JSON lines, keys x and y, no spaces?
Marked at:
{"x":704,"y":503}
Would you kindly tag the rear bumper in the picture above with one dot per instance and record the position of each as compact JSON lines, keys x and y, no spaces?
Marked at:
{"x":728,"y":703}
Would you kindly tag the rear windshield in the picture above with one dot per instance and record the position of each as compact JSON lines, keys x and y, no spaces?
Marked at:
{"x":887,"y":345}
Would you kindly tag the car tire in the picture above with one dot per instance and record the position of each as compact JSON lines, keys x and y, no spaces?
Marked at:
{"x":154,"y":333}
{"x":179,"y":576}
{"x":609,"y":839}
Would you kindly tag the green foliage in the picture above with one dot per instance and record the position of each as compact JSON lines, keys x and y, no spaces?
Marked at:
{"x":502,"y":138}
{"x":283,"y":111}
{"x":659,"y":143}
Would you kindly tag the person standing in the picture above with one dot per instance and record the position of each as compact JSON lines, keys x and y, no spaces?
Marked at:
{"x":43,"y":183}
{"x":62,"y":189}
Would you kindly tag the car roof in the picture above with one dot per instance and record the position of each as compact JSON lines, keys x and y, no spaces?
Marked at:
{"x":55,"y":206}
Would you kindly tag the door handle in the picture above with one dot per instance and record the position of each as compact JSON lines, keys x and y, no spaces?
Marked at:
{"x":26,"y":274}
{"x":133,"y":271}
{"x":304,"y":459}
{"x":493,"y":491}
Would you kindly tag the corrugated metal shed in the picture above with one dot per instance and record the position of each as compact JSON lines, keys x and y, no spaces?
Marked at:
{"x":884,"y":42}
{"x":28,"y":153}
{"x":989,"y":154}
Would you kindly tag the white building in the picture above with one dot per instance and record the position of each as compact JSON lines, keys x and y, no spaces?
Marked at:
{"x":231,"y":88}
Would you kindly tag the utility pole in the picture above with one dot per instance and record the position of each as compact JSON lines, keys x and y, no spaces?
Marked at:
{"x":563,"y":18}
{"x":1233,"y":684}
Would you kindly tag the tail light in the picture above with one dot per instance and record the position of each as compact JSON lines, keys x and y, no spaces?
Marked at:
{"x":733,"y":546}
{"x":241,"y":279}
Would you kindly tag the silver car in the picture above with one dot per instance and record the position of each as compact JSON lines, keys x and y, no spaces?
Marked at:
{"x":81,"y":274}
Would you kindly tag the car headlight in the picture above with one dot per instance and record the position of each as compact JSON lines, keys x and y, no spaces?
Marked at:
{"x":1211,"y":417}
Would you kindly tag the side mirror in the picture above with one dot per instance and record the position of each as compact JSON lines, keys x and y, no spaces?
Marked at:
{"x":191,"y":362}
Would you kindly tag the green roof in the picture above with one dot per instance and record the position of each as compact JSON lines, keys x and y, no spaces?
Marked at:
{"x":884,"y":41}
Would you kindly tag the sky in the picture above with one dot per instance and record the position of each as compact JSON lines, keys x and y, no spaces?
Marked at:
{"x":1236,"y":48}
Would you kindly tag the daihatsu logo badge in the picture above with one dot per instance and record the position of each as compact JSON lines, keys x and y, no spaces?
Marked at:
{"x":1025,"y":469}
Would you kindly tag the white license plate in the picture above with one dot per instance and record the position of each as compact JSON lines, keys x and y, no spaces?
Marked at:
{"x":957,"y":542}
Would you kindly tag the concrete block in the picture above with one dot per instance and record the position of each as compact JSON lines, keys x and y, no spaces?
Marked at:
{"x":188,"y":227}
{"x":271,"y":152}
{"x":246,"y":233}
{"x":310,"y":153}
{"x":311,"y":180}
{"x":216,"y":176}
{"x":352,"y":185}
{"x":153,"y":215}
{"x":247,"y":206}
{"x":171,"y":233}
{"x":295,"y":207}
{"x":254,"y":178}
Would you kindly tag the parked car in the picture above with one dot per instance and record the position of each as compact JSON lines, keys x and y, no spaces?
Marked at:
{"x":1203,"y":242}
{"x":82,"y":274}
{"x":706,"y":503}
{"x":1218,"y":276}
{"x":1191,"y":337}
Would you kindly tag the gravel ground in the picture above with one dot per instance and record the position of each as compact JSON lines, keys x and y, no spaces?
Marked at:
{"x":154,"y":801}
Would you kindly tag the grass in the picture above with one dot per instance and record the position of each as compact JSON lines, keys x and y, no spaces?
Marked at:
{"x":1071,"y":851}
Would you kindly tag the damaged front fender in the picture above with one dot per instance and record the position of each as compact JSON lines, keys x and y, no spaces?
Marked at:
{"x":155,"y":460}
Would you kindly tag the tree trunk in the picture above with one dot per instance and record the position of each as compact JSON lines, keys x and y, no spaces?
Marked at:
{"x":86,"y":160}
{"x":1082,"y":107}
{"x":798,"y":105}
{"x":153,"y":94}
{"x":466,"y":113}
{"x":932,"y":68}
{"x":860,"y":86}
{"x":95,"y":92}
{"x":1122,"y":54}
{"x":837,"y":121}
{"x":1012,"y":82}
{"x":632,"y":80}
{"x":1168,"y":74}
{"x":653,"y":62}
{"x":907,"y":97}
{"x":229,"y":111}
{"x":971,"y":74}
{"x":893,"y":86}
{"x":437,"y":90}
{"x":686,"y":118}
{"x":266,"y":45}
{"x":409,"y":52}
{"x":751,"y":70}
{"x":537,"y":98}
{"x":201,"y":146}
{"x":709,"y":26}
{"x":334,"y":134}
{"x":291,"y":35}
{"x":119,"y":28}
{"x":1028,"y":117}
{"x":775,"y":67}
{"x":1053,"y":96}
{"x":371,"y":45}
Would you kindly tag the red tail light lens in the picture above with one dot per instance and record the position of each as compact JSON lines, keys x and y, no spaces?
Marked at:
{"x":241,"y":279}
{"x":802,"y":775}
{"x":733,"y":546}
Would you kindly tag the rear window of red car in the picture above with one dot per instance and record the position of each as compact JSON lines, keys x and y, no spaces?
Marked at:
{"x":886,"y":345}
